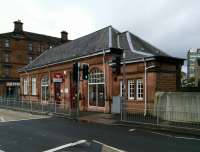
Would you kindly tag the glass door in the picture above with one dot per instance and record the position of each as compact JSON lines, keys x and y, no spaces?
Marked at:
{"x":96,"y":95}
{"x":100,"y":95}
{"x":92,"y":95}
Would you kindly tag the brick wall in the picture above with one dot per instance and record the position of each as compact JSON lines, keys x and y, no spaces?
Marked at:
{"x":157,"y":80}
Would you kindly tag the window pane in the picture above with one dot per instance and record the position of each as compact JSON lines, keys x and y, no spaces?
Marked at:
{"x":7,"y":43}
{"x":96,"y":76}
{"x":131,"y":89}
{"x":139,"y":89}
{"x":33,"y":86}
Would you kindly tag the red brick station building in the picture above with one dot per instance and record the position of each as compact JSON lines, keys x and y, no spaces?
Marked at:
{"x":49,"y":77}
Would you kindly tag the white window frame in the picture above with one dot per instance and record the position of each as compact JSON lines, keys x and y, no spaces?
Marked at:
{"x":33,"y":86}
{"x":25,"y":89}
{"x":139,"y":89}
{"x":130,"y":97}
{"x":121,"y":88}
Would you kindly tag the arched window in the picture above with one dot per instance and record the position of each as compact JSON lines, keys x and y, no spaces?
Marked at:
{"x":96,"y":76}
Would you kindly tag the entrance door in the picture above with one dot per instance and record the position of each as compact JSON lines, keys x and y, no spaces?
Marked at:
{"x":96,"y":88}
{"x":57,"y":92}
{"x":96,"y":95}
{"x":45,"y":93}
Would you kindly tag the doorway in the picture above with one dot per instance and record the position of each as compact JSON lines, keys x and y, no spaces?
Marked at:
{"x":57,"y":92}
{"x":96,"y":89}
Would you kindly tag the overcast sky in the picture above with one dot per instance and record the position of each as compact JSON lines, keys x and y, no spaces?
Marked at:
{"x":171,"y":25}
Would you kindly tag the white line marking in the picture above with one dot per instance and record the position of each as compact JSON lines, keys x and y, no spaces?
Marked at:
{"x":157,"y":133}
{"x":113,"y":148}
{"x":177,"y":137}
{"x":66,"y":146}
{"x":187,"y":138}
{"x":131,"y":130}
{"x":1,"y":150}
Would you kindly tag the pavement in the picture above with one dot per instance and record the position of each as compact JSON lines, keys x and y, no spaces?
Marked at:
{"x":101,"y":118}
{"x":114,"y":119}
{"x":59,"y":134}
{"x":10,"y":115}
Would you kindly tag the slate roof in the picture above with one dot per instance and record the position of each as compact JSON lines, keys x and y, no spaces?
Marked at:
{"x":103,"y":39}
{"x":32,"y":37}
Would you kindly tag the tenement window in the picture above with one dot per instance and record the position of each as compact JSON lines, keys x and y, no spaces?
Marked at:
{"x":6,"y":71}
{"x":131,"y":89}
{"x":33,"y":86}
{"x":139,"y":89}
{"x":30,"y":59}
{"x":25,"y":86}
{"x":30,"y":46}
{"x":6,"y":57}
{"x":7,"y":43}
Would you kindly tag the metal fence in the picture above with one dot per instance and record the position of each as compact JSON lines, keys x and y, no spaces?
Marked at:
{"x":162,"y":115}
{"x":35,"y":106}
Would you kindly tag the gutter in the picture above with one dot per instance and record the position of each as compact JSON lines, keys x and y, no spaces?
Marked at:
{"x":86,"y":56}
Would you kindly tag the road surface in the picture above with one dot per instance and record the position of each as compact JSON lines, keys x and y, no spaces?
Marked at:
{"x":58,"y":134}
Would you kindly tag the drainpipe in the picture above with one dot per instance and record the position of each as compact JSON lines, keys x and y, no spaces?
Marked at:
{"x":145,"y":84}
{"x":105,"y":89}
{"x":145,"y":88}
{"x":29,"y":87}
{"x":49,"y":83}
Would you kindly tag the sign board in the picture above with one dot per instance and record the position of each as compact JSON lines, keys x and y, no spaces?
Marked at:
{"x":12,"y":84}
{"x":58,"y":77}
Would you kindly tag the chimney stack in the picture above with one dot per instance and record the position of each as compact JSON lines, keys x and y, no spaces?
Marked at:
{"x":18,"y":27}
{"x":64,"y":36}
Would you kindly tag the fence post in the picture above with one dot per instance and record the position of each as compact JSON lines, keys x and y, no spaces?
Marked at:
{"x":157,"y":107}
{"x":55,"y":106}
{"x":42,"y":107}
{"x":31,"y":106}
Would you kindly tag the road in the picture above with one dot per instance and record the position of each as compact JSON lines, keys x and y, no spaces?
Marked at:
{"x":59,"y":134}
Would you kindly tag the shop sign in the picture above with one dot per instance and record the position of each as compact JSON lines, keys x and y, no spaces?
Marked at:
{"x":12,"y":84}
{"x":57,"y":77}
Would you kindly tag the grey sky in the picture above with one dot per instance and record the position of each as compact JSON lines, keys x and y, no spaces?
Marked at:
{"x":172,"y":26}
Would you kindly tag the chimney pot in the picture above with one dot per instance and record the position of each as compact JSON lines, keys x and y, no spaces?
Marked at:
{"x":64,"y":36}
{"x":18,"y":27}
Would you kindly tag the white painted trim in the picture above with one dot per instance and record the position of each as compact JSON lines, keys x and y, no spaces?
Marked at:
{"x":129,"y":81}
{"x":137,"y":84}
{"x":110,"y":37}
{"x":132,"y":48}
